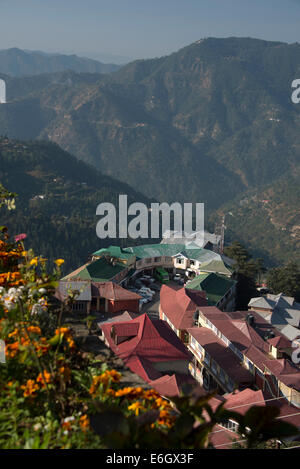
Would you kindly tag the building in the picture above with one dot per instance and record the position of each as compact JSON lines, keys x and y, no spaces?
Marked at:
{"x":219,"y":333}
{"x":281,"y":311}
{"x":178,"y":307}
{"x":172,"y":257}
{"x":215,"y":366}
{"x":219,"y":289}
{"x":225,"y":434}
{"x":100,"y":270}
{"x":211,"y":241}
{"x":151,"y":350}
{"x":102,"y":297}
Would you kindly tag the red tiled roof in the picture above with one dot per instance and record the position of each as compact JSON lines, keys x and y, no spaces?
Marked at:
{"x":154,"y":341}
{"x":143,"y":368}
{"x":117,"y":317}
{"x":179,"y":307}
{"x":248,"y":341}
{"x":173,"y":385}
{"x":222,"y":354}
{"x":280,"y":342}
{"x":262,"y":326}
{"x":285,"y":372}
{"x":239,"y":401}
{"x":112,"y":291}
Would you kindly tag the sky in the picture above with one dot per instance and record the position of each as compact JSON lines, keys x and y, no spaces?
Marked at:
{"x":122,"y":30}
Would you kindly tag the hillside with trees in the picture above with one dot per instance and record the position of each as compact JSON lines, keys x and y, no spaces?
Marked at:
{"x":217,"y":114}
{"x":56,"y":202}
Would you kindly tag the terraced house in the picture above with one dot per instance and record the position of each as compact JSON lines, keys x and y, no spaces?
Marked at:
{"x":229,"y":352}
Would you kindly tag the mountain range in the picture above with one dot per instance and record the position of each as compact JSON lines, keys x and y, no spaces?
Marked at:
{"x":213,"y":123}
{"x":17,"y":62}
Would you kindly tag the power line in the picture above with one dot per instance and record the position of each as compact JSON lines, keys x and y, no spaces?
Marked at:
{"x":277,"y":418}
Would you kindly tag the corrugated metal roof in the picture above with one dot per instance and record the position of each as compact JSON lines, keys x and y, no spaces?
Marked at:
{"x":179,"y":308}
{"x":99,"y":270}
{"x":215,"y":286}
{"x":84,"y":288}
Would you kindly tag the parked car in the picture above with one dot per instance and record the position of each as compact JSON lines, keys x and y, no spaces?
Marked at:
{"x":146,"y":296}
{"x":139,"y":283}
{"x":147,"y":278}
{"x":147,"y":290}
{"x":147,"y":281}
{"x":177,"y":277}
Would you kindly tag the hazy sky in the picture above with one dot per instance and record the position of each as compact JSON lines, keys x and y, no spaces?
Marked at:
{"x":140,"y":28}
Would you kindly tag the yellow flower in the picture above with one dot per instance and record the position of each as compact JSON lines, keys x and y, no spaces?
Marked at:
{"x":59,"y":262}
{"x":136,"y":407}
{"x":34,"y":261}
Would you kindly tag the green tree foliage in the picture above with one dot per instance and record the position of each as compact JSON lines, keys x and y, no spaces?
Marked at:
{"x":57,"y":200}
{"x":285,"y":279}
{"x":248,"y":272}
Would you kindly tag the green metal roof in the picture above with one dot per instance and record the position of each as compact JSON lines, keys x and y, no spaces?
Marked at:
{"x":216,"y":265}
{"x":215,"y":286}
{"x":114,"y":251}
{"x":100,"y":271}
{"x":155,"y":250}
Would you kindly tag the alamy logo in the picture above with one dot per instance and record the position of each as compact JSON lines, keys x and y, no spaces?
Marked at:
{"x":296,"y":93}
{"x":2,"y":92}
{"x":296,"y":353}
{"x":2,"y":351}
{"x":139,"y":221}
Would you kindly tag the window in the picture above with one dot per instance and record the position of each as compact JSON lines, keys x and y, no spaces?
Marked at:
{"x":230,"y":385}
{"x":192,"y":262}
{"x":157,"y":259}
{"x":230,"y":425}
{"x":222,"y":376}
{"x":239,"y":354}
{"x":206,"y":358}
{"x":209,"y":324}
{"x":200,"y":347}
{"x":249,"y":365}
{"x":179,"y":260}
{"x":214,"y":367}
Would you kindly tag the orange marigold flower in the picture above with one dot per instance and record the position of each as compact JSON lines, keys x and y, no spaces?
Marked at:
{"x":44,"y":378}
{"x":34,"y":330}
{"x":65,"y":331}
{"x":84,"y":422}
{"x":30,"y":388}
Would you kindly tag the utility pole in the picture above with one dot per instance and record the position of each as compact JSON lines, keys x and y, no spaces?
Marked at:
{"x":220,"y":231}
